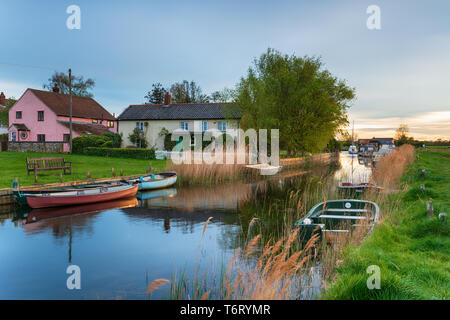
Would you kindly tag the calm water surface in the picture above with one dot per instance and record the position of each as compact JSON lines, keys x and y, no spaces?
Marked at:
{"x":124,"y":245}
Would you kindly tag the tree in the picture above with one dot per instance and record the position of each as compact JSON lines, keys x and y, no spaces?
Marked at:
{"x":156,"y":95}
{"x":137,"y":137}
{"x":225,"y":95}
{"x":295,"y":95}
{"x":80,"y":87}
{"x":4,"y":112}
{"x":401,"y":135}
{"x":187,"y":92}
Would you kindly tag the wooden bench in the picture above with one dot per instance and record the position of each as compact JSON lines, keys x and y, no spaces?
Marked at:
{"x":46,"y":164}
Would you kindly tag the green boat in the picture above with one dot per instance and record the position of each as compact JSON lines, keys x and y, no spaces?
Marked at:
{"x":338,"y":217}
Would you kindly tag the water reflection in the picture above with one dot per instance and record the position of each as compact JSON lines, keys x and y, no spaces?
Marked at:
{"x":122,"y":245}
{"x":354,"y":169}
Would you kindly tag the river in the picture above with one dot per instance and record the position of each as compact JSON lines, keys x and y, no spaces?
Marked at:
{"x":122,"y":246}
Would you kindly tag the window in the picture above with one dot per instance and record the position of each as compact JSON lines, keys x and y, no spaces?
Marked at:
{"x":204,"y":126}
{"x":66,"y":137}
{"x":110,"y":124}
{"x":192,"y":140}
{"x":23,"y":135}
{"x":18,"y":114}
{"x":40,"y":115}
{"x":222,"y":126}
{"x":13,"y":136}
{"x":41,"y":137}
{"x":184,"y":125}
{"x":94,"y":121}
{"x":140,"y":125}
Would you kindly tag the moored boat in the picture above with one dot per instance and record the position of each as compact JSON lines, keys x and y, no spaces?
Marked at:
{"x":155,"y":181}
{"x":82,"y":196}
{"x":338,"y":217}
{"x":348,"y":187}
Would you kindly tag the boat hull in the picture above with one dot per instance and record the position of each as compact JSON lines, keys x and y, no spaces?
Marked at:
{"x":46,"y":201}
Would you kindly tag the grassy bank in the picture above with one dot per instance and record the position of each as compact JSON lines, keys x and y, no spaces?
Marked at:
{"x":13,"y":164}
{"x":411,"y":249}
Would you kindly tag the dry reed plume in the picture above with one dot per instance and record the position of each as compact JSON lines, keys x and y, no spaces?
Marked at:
{"x":390,"y":168}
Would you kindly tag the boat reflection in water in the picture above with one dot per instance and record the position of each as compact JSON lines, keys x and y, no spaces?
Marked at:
{"x":40,"y":218}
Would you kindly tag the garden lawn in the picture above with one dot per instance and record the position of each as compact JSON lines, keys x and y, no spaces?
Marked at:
{"x":13,"y":164}
{"x":411,"y":249}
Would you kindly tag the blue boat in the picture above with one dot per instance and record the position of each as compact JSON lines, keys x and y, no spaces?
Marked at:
{"x":145,"y":195}
{"x":156,"y":181}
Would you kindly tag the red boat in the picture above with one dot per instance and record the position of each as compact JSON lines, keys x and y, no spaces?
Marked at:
{"x":84,"y":196}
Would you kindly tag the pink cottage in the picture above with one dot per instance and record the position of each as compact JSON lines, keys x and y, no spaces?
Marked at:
{"x":44,"y":116}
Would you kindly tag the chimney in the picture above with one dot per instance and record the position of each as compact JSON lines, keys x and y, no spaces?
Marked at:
{"x":167,"y":98}
{"x":2,"y":99}
{"x":56,"y":88}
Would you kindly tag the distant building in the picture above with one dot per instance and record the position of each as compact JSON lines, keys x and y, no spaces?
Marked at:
{"x":379,"y":142}
{"x":40,"y":116}
{"x":191,"y":117}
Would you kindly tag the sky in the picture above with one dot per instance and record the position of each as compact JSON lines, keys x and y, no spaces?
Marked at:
{"x":401,"y":72}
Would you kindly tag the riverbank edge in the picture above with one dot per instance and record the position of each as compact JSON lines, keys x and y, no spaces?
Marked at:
{"x":410,"y":248}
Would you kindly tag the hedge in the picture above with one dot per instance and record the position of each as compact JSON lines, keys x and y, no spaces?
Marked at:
{"x":147,"y":154}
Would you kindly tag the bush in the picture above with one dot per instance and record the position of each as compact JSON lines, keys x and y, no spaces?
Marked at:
{"x":107,"y":140}
{"x":146,"y":154}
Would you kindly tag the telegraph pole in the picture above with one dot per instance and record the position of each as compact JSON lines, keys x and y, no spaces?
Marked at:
{"x":70,"y":109}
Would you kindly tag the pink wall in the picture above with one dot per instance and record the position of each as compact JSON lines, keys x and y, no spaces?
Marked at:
{"x":29,"y":104}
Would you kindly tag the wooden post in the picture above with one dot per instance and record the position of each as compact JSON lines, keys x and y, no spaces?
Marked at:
{"x":121,"y":172}
{"x":422,"y":174}
{"x":149,"y":169}
{"x":88,"y":175}
{"x":422,"y":187}
{"x":60,"y":178}
{"x":430,"y":208}
{"x":112,"y":172}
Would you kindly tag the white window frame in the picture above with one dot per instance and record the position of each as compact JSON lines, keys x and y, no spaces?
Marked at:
{"x":222,"y":126}
{"x":204,"y":126}
{"x":13,"y":136}
{"x":140,"y":125}
{"x":184,"y":125}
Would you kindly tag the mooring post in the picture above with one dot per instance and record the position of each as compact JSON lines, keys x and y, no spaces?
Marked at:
{"x":430,"y":208}
{"x":423,"y":173}
{"x":112,"y":172}
{"x":88,"y":175}
{"x":121,"y":172}
{"x":149,"y":169}
{"x":60,"y":178}
{"x":422,"y":187}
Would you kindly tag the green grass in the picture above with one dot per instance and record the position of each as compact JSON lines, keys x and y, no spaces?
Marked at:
{"x":13,"y":164}
{"x":411,"y":249}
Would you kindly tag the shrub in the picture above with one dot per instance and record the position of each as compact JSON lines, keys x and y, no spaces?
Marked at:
{"x":107,"y":140}
{"x":146,"y":154}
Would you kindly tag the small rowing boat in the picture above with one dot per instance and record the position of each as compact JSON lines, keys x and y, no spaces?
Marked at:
{"x":352,"y":188}
{"x":82,"y":196}
{"x":20,"y":194}
{"x":155,"y":181}
{"x":336,"y":217}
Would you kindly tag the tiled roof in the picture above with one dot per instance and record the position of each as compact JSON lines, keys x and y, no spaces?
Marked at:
{"x":182,"y":111}
{"x":86,"y":128}
{"x":20,"y":127}
{"x":82,"y":107}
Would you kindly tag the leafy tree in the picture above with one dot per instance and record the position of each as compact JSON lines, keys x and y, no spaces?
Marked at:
{"x":138,"y":137}
{"x":187,"y":92}
{"x":156,"y":95}
{"x":295,"y":95}
{"x":4,"y":112}
{"x":80,"y":87}
{"x":225,"y":95}
{"x":401,"y":135}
